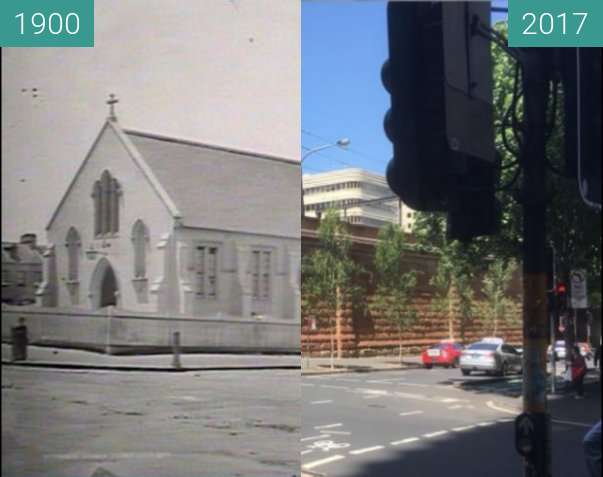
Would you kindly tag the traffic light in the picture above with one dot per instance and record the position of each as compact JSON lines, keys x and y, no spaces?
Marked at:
{"x":561,"y":296}
{"x":439,"y":76}
{"x":581,"y":74}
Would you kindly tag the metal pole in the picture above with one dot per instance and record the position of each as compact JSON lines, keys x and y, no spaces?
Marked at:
{"x":176,"y":350}
{"x":553,"y":316}
{"x":535,"y":80}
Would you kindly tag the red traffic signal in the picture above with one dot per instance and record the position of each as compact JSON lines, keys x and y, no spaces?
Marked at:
{"x":561,"y":288}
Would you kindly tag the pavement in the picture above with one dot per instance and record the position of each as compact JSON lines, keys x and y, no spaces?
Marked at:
{"x":41,"y":356}
{"x":108,"y":423}
{"x":320,"y":365}
{"x":429,"y":423}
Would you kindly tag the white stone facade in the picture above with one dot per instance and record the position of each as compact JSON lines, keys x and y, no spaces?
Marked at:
{"x":179,"y":248}
{"x":347,"y":190}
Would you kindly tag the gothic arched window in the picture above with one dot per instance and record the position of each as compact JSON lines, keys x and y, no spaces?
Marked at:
{"x":140,"y":239}
{"x":105,"y":194}
{"x":73,"y":244}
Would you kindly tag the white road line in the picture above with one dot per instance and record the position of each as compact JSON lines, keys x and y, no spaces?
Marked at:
{"x":336,"y":433}
{"x":491,"y":405}
{"x":485,"y":424}
{"x":463,"y":428}
{"x":316,"y":463}
{"x":572,"y":423}
{"x":405,"y":441}
{"x":503,"y":421}
{"x":449,"y":400}
{"x":435,"y":434}
{"x":308,"y":385}
{"x":326,"y":401}
{"x":411,"y":413}
{"x":333,"y":386}
{"x":373,"y":396}
{"x":380,"y":381}
{"x":304,"y":452}
{"x":366,"y":450}
{"x":456,"y":406}
{"x":328,"y":426}
{"x":313,"y":438}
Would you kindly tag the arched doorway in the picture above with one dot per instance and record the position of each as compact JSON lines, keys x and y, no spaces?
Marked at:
{"x":104,"y":286}
{"x":108,"y":296}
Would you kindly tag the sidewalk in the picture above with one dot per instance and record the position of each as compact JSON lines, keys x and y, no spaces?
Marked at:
{"x":39,"y":356}
{"x":321,"y":365}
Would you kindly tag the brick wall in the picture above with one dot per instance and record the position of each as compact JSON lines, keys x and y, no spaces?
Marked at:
{"x":364,"y":333}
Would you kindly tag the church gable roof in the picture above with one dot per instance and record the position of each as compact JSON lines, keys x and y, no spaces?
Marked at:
{"x":219,"y":188}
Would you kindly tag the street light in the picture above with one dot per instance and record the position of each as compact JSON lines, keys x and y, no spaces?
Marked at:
{"x":343,"y":143}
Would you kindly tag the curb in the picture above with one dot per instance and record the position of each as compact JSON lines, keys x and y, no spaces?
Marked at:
{"x":92,"y":367}
{"x":358,"y":371}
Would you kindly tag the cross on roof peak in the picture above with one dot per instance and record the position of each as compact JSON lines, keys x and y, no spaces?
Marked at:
{"x":112,"y":101}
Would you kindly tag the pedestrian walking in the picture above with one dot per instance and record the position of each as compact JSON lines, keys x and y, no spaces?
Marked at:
{"x":592,"y":450}
{"x":579,"y":369}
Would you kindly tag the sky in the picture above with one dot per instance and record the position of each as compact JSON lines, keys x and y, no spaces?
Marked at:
{"x":224,"y":72}
{"x":344,"y":45}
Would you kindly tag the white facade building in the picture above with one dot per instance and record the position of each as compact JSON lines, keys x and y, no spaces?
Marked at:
{"x":155,"y":224}
{"x":357,"y":194}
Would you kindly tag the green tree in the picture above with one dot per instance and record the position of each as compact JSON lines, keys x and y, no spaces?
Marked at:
{"x":329,"y":275}
{"x":395,"y":286}
{"x":457,"y":265}
{"x":497,"y":308}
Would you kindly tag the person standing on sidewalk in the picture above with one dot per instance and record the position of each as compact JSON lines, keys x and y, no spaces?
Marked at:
{"x":592,"y":450}
{"x":578,"y":372}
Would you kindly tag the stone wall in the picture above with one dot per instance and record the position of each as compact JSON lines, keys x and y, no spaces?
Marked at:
{"x":117,"y":331}
{"x":362,"y":333}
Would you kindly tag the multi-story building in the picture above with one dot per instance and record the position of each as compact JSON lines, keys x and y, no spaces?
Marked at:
{"x":21,"y":270}
{"x":362,"y":197}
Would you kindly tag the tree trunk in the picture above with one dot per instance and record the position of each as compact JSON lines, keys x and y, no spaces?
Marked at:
{"x":400,"y":343}
{"x":450,"y":313}
{"x":338,"y":312}
{"x":332,"y":339}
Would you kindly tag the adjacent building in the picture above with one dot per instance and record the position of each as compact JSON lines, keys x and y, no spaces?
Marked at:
{"x":21,"y":270}
{"x":362,"y":197}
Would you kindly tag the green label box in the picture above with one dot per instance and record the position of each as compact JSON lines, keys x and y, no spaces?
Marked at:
{"x":556,"y":23}
{"x":47,"y":23}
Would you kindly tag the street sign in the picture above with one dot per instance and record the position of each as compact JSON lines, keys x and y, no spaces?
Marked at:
{"x":524,"y":434}
{"x":579,"y":298}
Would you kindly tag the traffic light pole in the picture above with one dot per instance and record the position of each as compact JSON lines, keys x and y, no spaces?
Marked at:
{"x":536,"y":67}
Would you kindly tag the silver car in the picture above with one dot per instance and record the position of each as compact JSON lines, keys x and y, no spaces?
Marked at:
{"x":491,"y":356}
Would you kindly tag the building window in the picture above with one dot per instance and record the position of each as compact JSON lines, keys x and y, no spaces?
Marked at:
{"x":262,"y":274}
{"x":73,"y":244}
{"x":105,"y":195}
{"x":140,"y":240}
{"x":206,"y":270}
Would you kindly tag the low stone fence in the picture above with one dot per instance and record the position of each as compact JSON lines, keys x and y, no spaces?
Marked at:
{"x":120,"y":332}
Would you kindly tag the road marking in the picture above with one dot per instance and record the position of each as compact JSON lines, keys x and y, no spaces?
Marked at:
{"x":328,"y":426}
{"x":572,"y":423}
{"x":333,"y":386}
{"x":449,"y":400}
{"x":304,"y":452}
{"x":405,"y":441}
{"x":435,"y":434}
{"x":380,"y":381}
{"x":313,"y":438}
{"x":308,"y":385}
{"x":411,"y":413}
{"x":336,"y":433}
{"x":326,"y":401}
{"x":485,"y":424}
{"x":373,"y":397}
{"x":491,"y":405}
{"x":366,"y":450}
{"x":456,"y":406}
{"x":503,"y":421}
{"x":463,"y":428}
{"x":316,"y":463}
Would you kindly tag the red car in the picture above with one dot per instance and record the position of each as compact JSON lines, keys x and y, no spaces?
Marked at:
{"x":444,"y":353}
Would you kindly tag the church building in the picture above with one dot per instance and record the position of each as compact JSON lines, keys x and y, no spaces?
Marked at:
{"x":159,"y":225}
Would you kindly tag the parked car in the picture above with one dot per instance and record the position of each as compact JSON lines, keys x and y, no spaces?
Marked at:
{"x":560,"y":350}
{"x":491,"y":355}
{"x":444,"y":353}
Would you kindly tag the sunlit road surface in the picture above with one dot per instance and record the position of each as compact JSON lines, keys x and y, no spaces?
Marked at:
{"x":418,"y":423}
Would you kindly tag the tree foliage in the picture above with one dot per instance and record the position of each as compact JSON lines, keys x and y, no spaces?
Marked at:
{"x":395,"y":286}
{"x":497,"y":307}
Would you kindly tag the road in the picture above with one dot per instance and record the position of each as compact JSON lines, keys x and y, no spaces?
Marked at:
{"x":417,"y":423}
{"x":132,"y":424}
